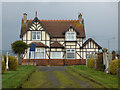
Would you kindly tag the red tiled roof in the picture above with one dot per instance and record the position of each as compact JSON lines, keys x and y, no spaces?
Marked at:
{"x":57,"y":27}
{"x":56,"y":44}
{"x":39,"y":44}
{"x":90,"y":39}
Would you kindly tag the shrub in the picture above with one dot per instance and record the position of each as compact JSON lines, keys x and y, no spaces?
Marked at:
{"x":91,"y":62}
{"x":99,"y":62}
{"x":113,"y":55}
{"x":12,"y":63}
{"x":114,"y":65}
{"x":3,"y":66}
{"x":101,"y":67}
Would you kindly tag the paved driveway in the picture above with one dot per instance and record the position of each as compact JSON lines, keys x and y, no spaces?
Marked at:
{"x":59,"y":77}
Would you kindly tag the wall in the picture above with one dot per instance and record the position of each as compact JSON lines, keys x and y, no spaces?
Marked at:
{"x":45,"y":39}
{"x":54,"y":62}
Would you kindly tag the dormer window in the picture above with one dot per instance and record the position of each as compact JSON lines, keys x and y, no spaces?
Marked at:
{"x":70,"y":36}
{"x":36,"y":35}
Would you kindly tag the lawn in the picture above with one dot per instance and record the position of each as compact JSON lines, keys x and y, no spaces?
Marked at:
{"x":12,"y":79}
{"x":65,"y":81}
{"x":36,"y":80}
{"x":109,"y":81}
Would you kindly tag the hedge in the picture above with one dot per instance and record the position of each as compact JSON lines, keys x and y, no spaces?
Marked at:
{"x":114,"y":65}
{"x":91,"y":62}
{"x":12,"y":63}
{"x":3,"y":66}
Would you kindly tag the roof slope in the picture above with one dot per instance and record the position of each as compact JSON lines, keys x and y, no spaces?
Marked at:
{"x":57,"y":27}
{"x":56,"y":44}
{"x":39,"y":44}
{"x":90,"y":39}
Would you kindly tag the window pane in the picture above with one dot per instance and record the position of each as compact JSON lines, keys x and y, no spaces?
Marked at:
{"x":33,"y":35}
{"x":70,"y":54}
{"x":42,"y":50}
{"x":72,"y":50}
{"x":56,"y":55}
{"x":28,"y":54}
{"x":38,"y":35}
{"x":32,"y":55}
{"x":70,"y":36}
{"x":37,"y":55}
{"x":68,"y":50}
{"x":38,"y":49}
{"x":42,"y":55}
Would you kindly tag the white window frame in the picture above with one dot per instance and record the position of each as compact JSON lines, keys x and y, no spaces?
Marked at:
{"x":71,"y":52}
{"x":69,"y":39}
{"x":36,"y":35}
{"x":40,"y":52}
{"x":51,"y":54}
{"x":35,"y":53}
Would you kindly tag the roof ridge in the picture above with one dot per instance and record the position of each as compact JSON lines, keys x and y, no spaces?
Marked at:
{"x":56,"y":20}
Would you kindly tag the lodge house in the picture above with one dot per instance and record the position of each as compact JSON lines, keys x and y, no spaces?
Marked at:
{"x":58,"y":42}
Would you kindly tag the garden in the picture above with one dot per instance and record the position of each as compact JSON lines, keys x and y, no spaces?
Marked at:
{"x":102,"y":68}
{"x":13,"y":73}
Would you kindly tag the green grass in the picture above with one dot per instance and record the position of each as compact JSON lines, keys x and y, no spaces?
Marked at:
{"x":93,"y":84}
{"x":12,"y":79}
{"x":109,"y":81}
{"x":65,"y":81}
{"x":36,"y":80}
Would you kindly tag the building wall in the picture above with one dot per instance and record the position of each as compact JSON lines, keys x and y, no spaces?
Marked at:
{"x":45,"y":39}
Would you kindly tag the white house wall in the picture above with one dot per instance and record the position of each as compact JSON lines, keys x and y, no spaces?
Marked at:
{"x":45,"y":39}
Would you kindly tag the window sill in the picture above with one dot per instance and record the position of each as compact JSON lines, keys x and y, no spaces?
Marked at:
{"x":70,"y":40}
{"x":35,"y":39}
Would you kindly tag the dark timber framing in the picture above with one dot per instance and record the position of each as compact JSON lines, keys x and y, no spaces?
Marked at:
{"x":80,"y":51}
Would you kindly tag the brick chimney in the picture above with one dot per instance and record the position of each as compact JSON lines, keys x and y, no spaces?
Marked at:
{"x":80,"y":18}
{"x":25,"y":19}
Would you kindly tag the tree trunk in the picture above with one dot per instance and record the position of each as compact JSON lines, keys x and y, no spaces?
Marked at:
{"x":19,"y":62}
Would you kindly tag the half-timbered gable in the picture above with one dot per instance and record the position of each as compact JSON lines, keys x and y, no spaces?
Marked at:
{"x":57,"y":39}
{"x":90,"y":46}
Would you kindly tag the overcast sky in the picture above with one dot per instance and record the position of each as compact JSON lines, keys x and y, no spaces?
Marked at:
{"x":101,"y":19}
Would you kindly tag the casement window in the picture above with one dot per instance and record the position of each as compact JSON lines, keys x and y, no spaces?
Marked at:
{"x":70,"y":53}
{"x":56,"y":55}
{"x":70,"y":36}
{"x":36,"y":35}
{"x":39,"y":53}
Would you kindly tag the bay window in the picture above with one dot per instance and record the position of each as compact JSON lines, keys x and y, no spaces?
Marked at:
{"x":39,"y":53}
{"x":36,"y":35}
{"x":70,"y":36}
{"x":70,"y":53}
{"x":56,"y":55}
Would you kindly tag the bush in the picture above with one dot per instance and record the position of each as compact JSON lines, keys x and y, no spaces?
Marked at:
{"x":99,"y":62}
{"x":3,"y":66}
{"x":12,"y":63}
{"x":101,"y":67}
{"x":113,"y":55}
{"x":91,"y":62}
{"x":114,"y":65}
